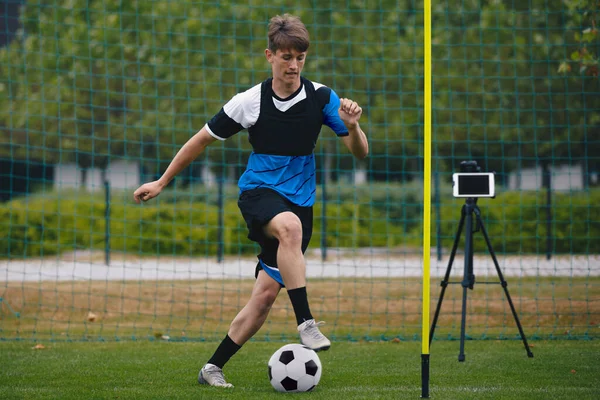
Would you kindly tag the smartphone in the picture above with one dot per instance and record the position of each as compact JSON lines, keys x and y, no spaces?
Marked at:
{"x":473,"y":184}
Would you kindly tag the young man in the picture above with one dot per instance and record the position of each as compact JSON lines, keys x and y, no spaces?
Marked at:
{"x":283,"y":116}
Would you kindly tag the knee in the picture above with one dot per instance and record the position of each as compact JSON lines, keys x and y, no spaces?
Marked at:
{"x":290,"y":232}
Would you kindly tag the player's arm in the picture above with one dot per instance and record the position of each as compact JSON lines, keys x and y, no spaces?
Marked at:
{"x":239,"y":113}
{"x":188,"y":153}
{"x":356,"y":141}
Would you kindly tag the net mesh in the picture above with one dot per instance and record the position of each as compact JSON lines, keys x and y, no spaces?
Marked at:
{"x":97,"y":97}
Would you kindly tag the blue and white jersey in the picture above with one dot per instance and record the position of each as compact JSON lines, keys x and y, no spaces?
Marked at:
{"x":283,"y":134}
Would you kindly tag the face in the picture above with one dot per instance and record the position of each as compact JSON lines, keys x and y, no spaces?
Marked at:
{"x":286,"y":65}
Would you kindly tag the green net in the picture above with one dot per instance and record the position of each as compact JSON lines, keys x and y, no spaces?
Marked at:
{"x":96,"y":97}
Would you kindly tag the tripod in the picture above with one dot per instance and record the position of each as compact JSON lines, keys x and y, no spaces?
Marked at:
{"x":468,"y":209}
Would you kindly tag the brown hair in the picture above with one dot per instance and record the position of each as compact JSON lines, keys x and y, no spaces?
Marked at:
{"x":287,"y":32}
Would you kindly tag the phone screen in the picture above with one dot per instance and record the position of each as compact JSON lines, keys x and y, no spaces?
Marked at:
{"x":473,"y":185}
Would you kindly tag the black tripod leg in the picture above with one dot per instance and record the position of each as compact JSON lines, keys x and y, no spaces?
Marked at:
{"x":466,"y":282}
{"x":503,"y":283}
{"x":444,"y":283}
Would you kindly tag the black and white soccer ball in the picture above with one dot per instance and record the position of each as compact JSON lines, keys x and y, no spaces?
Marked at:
{"x":294,"y":368}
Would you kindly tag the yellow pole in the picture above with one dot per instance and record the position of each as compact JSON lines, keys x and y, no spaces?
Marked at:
{"x":426,"y":203}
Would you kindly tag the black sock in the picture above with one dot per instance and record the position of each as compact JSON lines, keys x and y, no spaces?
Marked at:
{"x":224,"y":352}
{"x":300,"y":303}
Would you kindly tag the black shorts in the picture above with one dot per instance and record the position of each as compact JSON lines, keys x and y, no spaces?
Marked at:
{"x":258,"y":207}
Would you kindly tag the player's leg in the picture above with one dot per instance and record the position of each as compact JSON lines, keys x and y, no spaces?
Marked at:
{"x":292,"y":231}
{"x":273,"y":220}
{"x":287,"y":229}
{"x":251,"y":318}
{"x":247,"y":322}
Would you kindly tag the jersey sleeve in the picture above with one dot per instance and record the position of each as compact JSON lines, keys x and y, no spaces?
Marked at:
{"x":331,"y":117}
{"x":241,"y":112}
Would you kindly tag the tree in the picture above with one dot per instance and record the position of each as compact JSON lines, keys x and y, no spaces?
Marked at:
{"x":100,"y":80}
{"x":498,"y":96}
{"x":87,"y":82}
{"x":581,"y":70}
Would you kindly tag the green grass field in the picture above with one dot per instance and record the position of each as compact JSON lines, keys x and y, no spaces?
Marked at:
{"x":383,"y":370}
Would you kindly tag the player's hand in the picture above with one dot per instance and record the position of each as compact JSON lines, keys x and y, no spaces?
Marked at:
{"x":350,"y":112}
{"x":147,"y":191}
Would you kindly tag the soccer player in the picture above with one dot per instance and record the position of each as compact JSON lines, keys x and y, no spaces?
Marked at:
{"x":283,"y":116}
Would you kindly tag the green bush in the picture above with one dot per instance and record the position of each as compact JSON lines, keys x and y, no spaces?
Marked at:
{"x":516,"y":222}
{"x":368,"y":216}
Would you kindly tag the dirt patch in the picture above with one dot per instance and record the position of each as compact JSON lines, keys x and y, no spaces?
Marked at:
{"x":354,"y":309}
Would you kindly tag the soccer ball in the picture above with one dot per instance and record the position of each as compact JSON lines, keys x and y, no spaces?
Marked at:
{"x":294,"y":368}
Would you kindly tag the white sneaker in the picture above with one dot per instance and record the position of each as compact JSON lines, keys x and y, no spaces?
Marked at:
{"x":311,"y":336}
{"x":212,"y":375}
